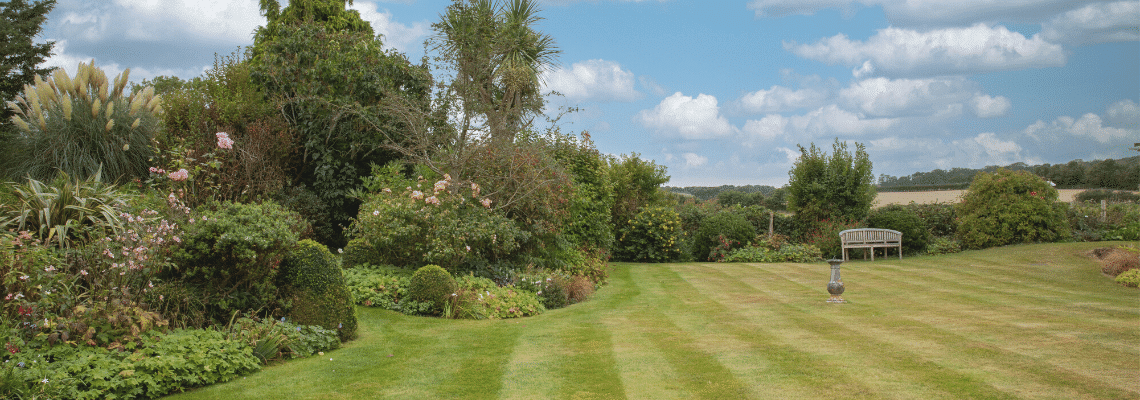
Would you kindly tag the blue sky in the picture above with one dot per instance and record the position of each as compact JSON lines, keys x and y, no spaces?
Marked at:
{"x":722,"y":92}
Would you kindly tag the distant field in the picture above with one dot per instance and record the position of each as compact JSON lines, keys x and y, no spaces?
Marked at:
{"x":944,"y":196}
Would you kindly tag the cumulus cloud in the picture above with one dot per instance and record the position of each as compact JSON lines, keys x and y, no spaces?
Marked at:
{"x":831,"y":120}
{"x":768,"y":128}
{"x":987,"y":149}
{"x":597,"y":80}
{"x":1096,"y":23}
{"x":691,"y":118}
{"x":1124,"y":114}
{"x":986,"y":106}
{"x":1089,"y":125}
{"x":69,"y":61}
{"x":897,"y":51}
{"x":926,"y":12}
{"x":401,"y":37}
{"x":148,"y":20}
{"x":651,"y":85}
{"x":780,"y":99}
{"x":694,"y":160}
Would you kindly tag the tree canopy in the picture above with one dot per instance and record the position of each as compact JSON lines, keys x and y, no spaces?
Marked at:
{"x":20,"y":22}
{"x":824,"y":187}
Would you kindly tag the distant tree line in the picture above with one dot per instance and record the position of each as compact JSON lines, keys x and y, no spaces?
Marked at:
{"x":706,"y":192}
{"x":1122,"y":174}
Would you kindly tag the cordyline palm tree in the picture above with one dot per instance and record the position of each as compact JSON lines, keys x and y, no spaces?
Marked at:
{"x":498,"y":58}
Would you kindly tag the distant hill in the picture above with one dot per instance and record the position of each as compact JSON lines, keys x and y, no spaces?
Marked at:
{"x":706,"y":192}
{"x":1120,"y":174}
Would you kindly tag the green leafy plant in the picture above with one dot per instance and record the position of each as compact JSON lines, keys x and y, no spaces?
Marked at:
{"x":65,"y":210}
{"x":915,"y":232}
{"x":1010,"y":207}
{"x":82,"y":126}
{"x":651,"y":236}
{"x":1130,"y":278}
{"x":479,"y":298}
{"x":825,"y":237}
{"x":311,"y":277}
{"x":798,"y":253}
{"x":229,"y":256}
{"x":830,"y":187}
{"x":943,"y":245}
{"x":433,"y":285}
{"x":375,"y":287}
{"x":730,"y":225}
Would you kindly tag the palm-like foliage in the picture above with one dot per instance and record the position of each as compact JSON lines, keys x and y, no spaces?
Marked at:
{"x":65,"y":210}
{"x":498,"y":59}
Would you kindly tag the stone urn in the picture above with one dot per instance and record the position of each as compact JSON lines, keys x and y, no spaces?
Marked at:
{"x":835,"y":287}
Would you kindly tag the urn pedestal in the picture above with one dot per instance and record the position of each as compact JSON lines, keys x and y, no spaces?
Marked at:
{"x":835,"y":287}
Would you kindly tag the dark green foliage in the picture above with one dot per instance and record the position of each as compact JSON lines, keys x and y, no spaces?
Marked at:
{"x":825,"y":236}
{"x":735,"y":198}
{"x":943,"y":245}
{"x":915,"y":231}
{"x":1121,"y":173}
{"x":163,"y":364}
{"x":732,"y":226}
{"x":230,"y":254}
{"x":941,"y":218}
{"x":431,"y":284}
{"x":1010,"y":207}
{"x":65,"y":210}
{"x":330,"y":85}
{"x":636,"y":185}
{"x":310,"y":276}
{"x":653,"y":235}
{"x":1109,"y":196}
{"x":357,"y":252}
{"x":20,"y":22}
{"x":705,"y":192}
{"x":590,"y":221}
{"x":798,"y":253}
{"x":827,"y":187}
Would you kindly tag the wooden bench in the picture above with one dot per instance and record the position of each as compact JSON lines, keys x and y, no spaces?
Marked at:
{"x":870,"y":238}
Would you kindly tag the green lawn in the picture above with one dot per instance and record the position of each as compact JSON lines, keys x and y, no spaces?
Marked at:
{"x":1034,"y":321}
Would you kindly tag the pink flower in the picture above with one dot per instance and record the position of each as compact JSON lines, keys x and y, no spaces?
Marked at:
{"x":180,"y":175}
{"x":386,"y":190}
{"x":224,"y":140}
{"x":486,"y":203}
{"x":375,"y":212}
{"x":440,"y":186}
{"x":432,"y":200}
{"x":418,"y":195}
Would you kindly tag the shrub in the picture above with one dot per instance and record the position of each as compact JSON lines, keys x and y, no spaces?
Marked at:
{"x":373,"y":287}
{"x":310,"y":276}
{"x":1119,"y":260}
{"x":480,"y":298}
{"x":1130,"y":231}
{"x":410,"y":228}
{"x":797,"y":253}
{"x":915,"y":231}
{"x":82,"y":126}
{"x":65,"y":210}
{"x":732,"y":226}
{"x":431,"y":284}
{"x":552,"y":289}
{"x":1010,"y":207}
{"x":1130,"y":278}
{"x":1111,"y":196}
{"x":826,"y":237}
{"x":357,"y":252}
{"x":943,"y":245}
{"x":580,"y":289}
{"x":940,"y":218}
{"x":1088,"y":224}
{"x":229,"y":256}
{"x":828,"y":187}
{"x":650,"y":236}
{"x":590,"y":264}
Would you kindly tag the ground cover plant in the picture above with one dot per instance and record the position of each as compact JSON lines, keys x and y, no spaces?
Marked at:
{"x":997,"y":323}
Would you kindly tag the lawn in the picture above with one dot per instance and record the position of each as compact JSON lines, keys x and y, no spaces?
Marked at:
{"x":1036,"y":321}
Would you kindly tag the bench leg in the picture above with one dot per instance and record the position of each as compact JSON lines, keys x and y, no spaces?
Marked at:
{"x":872,"y":254}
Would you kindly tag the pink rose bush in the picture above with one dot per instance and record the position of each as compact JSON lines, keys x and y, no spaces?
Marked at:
{"x":410,"y":228}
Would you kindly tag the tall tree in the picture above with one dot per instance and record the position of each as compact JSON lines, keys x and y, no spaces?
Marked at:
{"x":20,"y":22}
{"x":822,"y":187}
{"x":497,"y":57}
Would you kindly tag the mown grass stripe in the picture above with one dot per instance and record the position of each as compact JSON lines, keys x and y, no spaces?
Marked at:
{"x":964,"y":353}
{"x":839,"y":342}
{"x":775,"y":369}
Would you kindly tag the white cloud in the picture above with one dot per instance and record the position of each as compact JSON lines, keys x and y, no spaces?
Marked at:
{"x":768,"y":128}
{"x":831,"y":120}
{"x":987,"y":149}
{"x":694,"y":160}
{"x":691,"y":118}
{"x":1099,"y":22}
{"x":927,"y":12}
{"x":221,"y":20}
{"x":986,"y":106}
{"x":396,"y":35}
{"x":779,"y":99}
{"x":651,"y":85}
{"x":1124,"y":114}
{"x":1089,"y":125}
{"x":895,"y":51}
{"x":70,"y":62}
{"x":597,"y":80}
